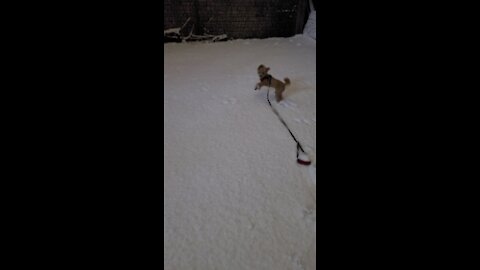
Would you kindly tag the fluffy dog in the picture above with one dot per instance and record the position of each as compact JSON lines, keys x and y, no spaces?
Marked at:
{"x":267,"y":80}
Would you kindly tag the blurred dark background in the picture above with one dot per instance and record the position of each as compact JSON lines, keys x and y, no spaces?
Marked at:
{"x":237,"y":18}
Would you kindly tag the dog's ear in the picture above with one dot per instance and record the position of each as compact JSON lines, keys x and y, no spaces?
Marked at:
{"x":267,"y":69}
{"x":261,"y":66}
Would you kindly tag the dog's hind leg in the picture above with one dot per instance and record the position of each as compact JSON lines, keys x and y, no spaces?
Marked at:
{"x":278,"y":93}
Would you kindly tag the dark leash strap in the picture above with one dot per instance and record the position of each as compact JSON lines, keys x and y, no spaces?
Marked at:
{"x":299,"y":146}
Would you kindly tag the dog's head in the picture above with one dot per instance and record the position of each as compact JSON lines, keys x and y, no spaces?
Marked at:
{"x":262,"y":71}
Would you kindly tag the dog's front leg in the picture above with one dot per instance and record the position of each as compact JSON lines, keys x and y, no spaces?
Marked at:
{"x":257,"y":86}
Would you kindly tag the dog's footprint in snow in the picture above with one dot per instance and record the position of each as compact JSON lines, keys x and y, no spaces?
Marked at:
{"x":297,"y":263}
{"x":309,"y":214}
{"x":229,"y":101}
{"x":217,"y":99}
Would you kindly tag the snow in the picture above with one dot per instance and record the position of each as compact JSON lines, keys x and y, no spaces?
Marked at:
{"x":234,"y":196}
{"x":172,"y":30}
{"x":310,"y":28}
{"x":311,"y":25}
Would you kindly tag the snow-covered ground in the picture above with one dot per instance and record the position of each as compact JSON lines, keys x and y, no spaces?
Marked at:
{"x":235,"y":197}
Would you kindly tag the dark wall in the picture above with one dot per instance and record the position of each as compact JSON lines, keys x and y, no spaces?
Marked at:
{"x":238,"y":18}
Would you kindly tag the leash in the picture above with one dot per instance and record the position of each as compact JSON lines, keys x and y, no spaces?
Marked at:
{"x":299,"y":146}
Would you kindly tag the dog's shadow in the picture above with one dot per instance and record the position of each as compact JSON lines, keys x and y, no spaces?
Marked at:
{"x":297,"y":85}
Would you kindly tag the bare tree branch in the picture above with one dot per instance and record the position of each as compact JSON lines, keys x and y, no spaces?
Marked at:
{"x":174,"y":34}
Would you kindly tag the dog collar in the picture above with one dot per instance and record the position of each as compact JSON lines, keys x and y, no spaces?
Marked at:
{"x":266,"y":77}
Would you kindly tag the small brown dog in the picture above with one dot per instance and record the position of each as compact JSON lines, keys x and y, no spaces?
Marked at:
{"x":267,"y":80}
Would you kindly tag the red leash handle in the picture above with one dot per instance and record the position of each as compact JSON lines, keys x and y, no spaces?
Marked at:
{"x":303,"y":162}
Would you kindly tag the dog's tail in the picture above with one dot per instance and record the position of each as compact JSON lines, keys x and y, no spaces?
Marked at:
{"x":287,"y":81}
